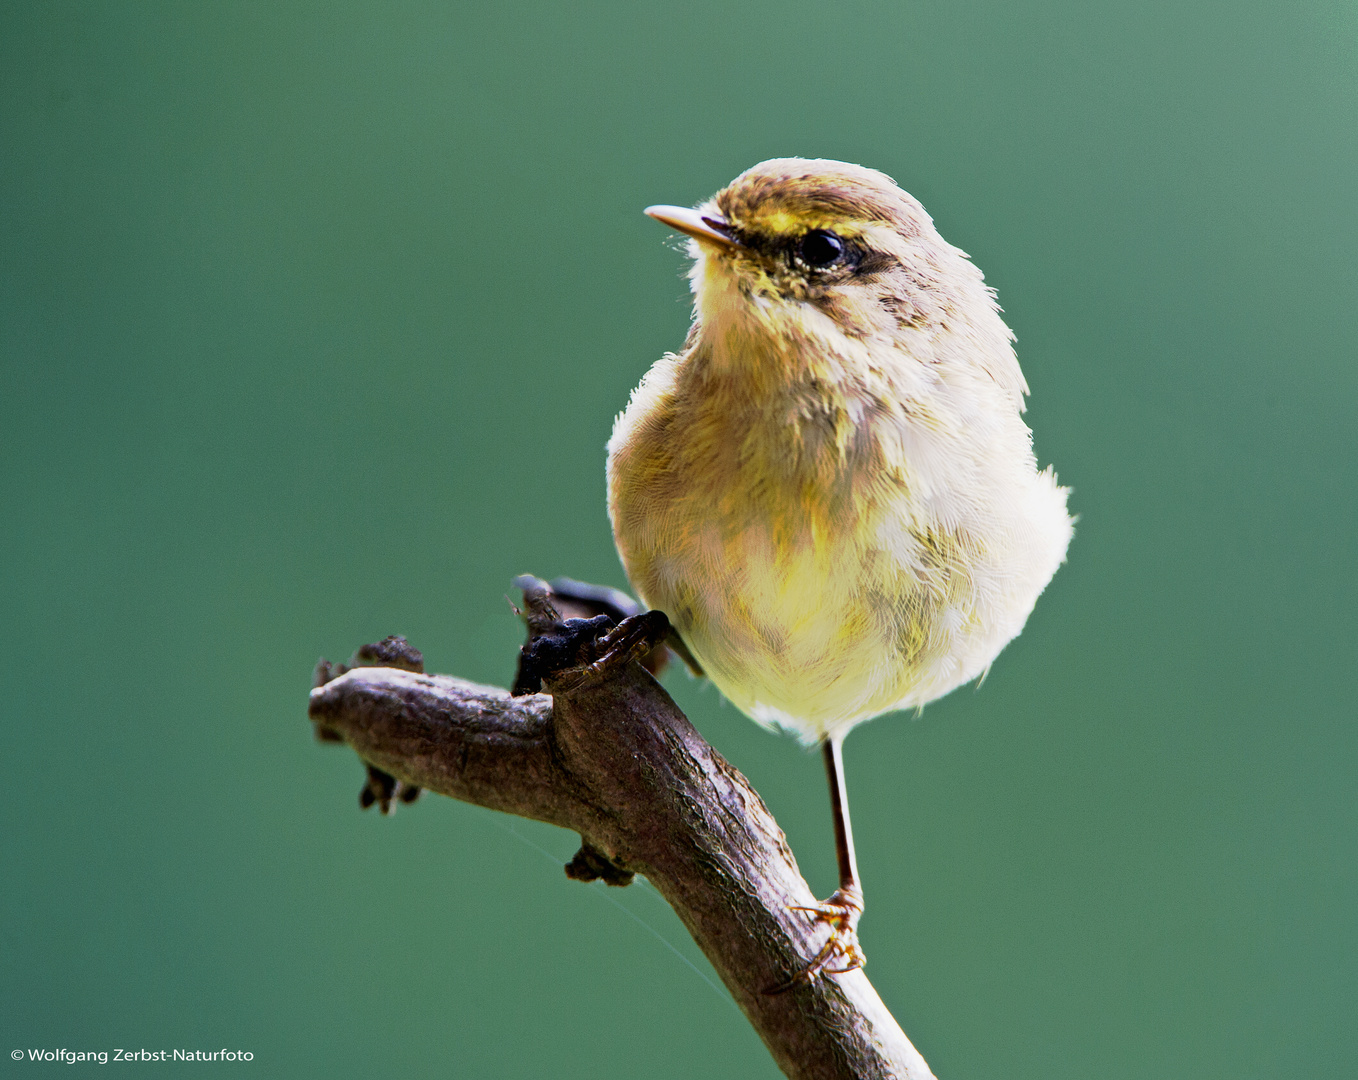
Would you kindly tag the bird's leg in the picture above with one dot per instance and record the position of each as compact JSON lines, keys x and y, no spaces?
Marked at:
{"x":841,"y":912}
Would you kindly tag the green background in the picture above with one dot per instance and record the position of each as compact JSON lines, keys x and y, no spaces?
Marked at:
{"x":313,"y":321}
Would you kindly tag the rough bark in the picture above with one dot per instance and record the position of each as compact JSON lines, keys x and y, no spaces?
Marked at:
{"x":609,"y":755}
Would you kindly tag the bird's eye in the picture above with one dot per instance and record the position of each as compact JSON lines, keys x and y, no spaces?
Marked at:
{"x":820,"y":249}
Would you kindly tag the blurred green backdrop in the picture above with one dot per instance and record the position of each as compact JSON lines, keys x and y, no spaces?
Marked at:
{"x":313,"y":321}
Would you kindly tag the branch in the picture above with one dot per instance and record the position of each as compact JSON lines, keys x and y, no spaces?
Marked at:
{"x":609,"y":755}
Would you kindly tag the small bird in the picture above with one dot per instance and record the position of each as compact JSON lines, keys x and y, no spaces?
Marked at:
{"x":830,"y":490}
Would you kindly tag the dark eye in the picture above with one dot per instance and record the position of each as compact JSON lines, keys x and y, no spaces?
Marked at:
{"x":819,"y":248}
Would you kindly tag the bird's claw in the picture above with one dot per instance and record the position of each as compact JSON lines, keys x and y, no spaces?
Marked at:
{"x":841,"y":912}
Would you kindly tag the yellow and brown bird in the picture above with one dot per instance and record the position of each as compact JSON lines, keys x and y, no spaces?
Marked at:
{"x":830,"y":490}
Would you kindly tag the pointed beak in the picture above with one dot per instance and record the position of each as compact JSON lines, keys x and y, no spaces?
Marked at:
{"x":707,"y":227}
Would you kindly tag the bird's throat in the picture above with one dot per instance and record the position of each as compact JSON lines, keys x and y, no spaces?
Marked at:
{"x":750,"y":333}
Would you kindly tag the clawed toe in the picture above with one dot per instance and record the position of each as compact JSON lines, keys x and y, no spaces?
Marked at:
{"x":841,"y":913}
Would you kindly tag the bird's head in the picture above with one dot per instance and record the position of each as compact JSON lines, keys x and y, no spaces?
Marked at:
{"x":798,"y":249}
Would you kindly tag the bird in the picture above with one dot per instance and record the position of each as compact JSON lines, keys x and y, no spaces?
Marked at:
{"x":830,"y":489}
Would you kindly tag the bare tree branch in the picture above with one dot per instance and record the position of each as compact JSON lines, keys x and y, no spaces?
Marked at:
{"x":609,"y":755}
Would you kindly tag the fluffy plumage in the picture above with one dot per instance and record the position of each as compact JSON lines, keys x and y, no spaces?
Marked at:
{"x":830,"y":490}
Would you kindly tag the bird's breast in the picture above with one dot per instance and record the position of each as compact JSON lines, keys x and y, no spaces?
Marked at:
{"x":774,"y":539}
{"x":831,"y":550}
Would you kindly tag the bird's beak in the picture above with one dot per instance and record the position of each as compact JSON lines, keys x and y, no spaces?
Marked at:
{"x":709,"y":227}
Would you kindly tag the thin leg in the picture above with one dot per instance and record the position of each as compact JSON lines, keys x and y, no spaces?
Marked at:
{"x":839,"y":804}
{"x":842,"y":910}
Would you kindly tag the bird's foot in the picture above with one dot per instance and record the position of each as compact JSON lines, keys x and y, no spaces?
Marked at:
{"x":841,"y":951}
